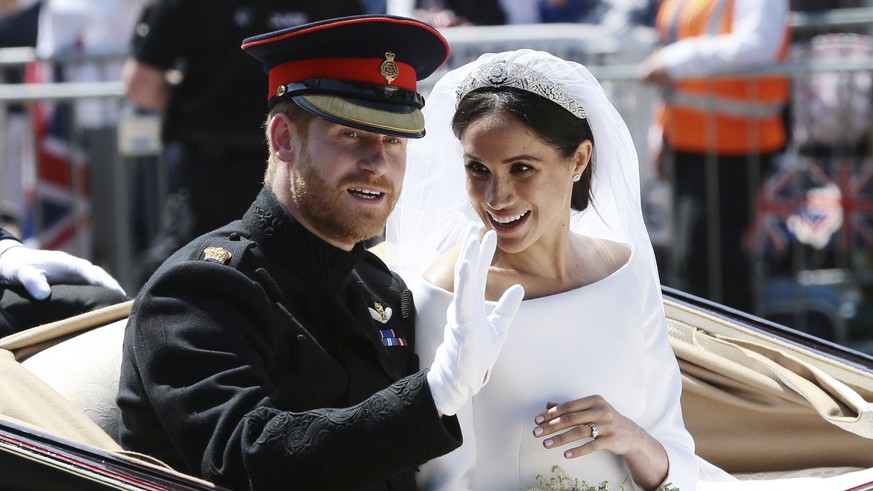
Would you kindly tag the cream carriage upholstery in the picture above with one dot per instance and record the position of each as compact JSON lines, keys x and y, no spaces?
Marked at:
{"x":62,"y":377}
{"x":765,"y":410}
{"x":757,"y":404}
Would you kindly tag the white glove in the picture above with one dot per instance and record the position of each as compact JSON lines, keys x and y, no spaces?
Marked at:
{"x":36,"y":269}
{"x":472,"y":339}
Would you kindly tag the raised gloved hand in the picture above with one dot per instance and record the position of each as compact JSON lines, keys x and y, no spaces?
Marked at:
{"x":472,"y":338}
{"x":36,"y":269}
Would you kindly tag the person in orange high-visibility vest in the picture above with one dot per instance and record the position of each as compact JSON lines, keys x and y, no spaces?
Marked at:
{"x":719,"y":132}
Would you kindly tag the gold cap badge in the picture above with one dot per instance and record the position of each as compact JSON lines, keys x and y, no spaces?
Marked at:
{"x":219,"y":254}
{"x":280,"y":90}
{"x":389,"y":69}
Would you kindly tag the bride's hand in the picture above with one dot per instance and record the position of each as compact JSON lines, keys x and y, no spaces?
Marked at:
{"x":574,"y":423}
{"x":474,"y":333}
{"x":615,"y":432}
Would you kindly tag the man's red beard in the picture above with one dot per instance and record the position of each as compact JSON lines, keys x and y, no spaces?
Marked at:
{"x":327,"y":209}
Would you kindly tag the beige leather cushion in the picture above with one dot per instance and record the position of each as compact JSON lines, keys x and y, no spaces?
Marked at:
{"x":84,"y":370}
{"x":27,"y":400}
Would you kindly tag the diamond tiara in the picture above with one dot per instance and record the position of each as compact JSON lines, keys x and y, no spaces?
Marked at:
{"x":502,"y":73}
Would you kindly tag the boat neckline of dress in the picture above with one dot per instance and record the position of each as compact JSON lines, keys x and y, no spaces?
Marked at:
{"x":615,"y":273}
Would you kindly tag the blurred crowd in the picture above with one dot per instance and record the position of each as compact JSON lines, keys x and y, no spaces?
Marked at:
{"x":183,"y":71}
{"x":105,"y":31}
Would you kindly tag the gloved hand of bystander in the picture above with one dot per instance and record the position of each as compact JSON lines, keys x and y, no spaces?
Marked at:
{"x":36,"y":270}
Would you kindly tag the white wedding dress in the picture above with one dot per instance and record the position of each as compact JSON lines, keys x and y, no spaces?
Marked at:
{"x":606,"y":338}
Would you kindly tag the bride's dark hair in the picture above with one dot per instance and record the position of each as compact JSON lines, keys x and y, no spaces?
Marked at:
{"x":554,"y":125}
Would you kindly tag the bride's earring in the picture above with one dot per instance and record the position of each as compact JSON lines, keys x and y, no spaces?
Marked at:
{"x":576,"y":177}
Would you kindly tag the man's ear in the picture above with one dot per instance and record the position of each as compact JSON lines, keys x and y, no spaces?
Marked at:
{"x":283,"y":137}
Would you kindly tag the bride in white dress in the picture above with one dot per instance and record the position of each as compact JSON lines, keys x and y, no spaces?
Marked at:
{"x":586,"y":379}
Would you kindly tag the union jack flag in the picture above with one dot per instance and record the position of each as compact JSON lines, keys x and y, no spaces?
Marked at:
{"x":800,"y":202}
{"x":57,"y":212}
{"x":822,"y":206}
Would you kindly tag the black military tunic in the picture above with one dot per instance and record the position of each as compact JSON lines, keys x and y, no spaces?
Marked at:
{"x":261,"y":357}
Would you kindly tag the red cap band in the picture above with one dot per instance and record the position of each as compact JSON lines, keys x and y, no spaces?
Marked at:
{"x":346,"y":69}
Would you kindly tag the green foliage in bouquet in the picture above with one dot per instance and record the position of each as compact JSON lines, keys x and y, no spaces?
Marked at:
{"x":560,"y":481}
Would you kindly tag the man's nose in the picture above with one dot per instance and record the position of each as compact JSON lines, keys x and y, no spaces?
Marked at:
{"x":375,"y":159}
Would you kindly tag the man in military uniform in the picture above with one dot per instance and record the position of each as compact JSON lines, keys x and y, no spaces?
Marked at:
{"x":276,"y":352}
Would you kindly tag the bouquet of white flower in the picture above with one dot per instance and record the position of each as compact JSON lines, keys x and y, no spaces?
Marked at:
{"x":562,"y":482}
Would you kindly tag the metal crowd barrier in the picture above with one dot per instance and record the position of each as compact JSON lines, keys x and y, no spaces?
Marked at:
{"x":827,"y":290}
{"x":72,"y":157}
